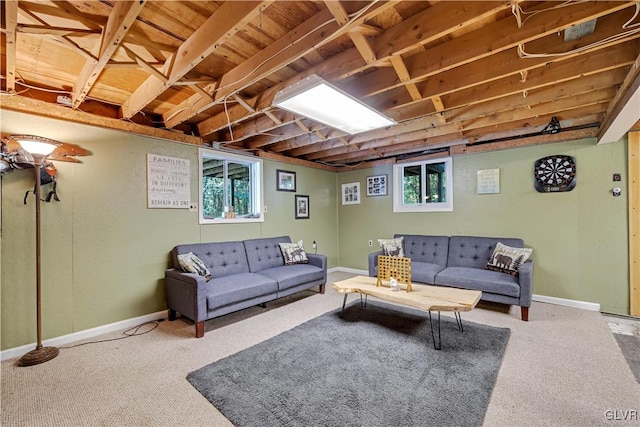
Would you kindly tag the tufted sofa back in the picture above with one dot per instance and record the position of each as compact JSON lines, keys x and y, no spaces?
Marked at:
{"x":474,"y":252}
{"x":431,"y":249}
{"x":265,"y":253}
{"x":222,"y":259}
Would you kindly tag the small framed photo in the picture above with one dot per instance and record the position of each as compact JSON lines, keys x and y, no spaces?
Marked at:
{"x":351,"y":193}
{"x":286,"y":180}
{"x":377,"y":185}
{"x":302,"y":207}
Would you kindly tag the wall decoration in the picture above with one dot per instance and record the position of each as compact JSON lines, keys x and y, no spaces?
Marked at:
{"x":351,"y":193}
{"x":285,"y":180}
{"x":168,"y":181}
{"x":302,"y":207}
{"x":377,"y":185}
{"x":555,"y":174}
{"x":488,"y":181}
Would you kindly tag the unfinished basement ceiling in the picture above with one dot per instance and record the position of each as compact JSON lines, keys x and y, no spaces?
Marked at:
{"x":458,"y":77}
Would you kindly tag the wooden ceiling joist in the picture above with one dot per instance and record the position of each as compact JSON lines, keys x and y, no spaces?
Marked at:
{"x":315,"y":32}
{"x":119,"y":22}
{"x":222,"y":25}
{"x":11,"y":22}
{"x":457,"y":77}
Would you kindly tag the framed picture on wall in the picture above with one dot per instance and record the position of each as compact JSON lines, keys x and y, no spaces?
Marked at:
{"x":377,"y":185}
{"x":351,"y":193}
{"x":285,"y":180}
{"x":302,"y":207}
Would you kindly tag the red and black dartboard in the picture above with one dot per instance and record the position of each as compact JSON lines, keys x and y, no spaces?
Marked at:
{"x":555,"y":173}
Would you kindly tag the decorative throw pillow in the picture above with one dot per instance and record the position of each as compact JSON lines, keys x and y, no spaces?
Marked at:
{"x":293,"y":253}
{"x":392,"y":247}
{"x":190,"y":263}
{"x":507,"y":259}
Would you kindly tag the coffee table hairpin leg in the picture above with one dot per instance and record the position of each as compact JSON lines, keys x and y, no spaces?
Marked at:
{"x":363,"y":303}
{"x":438,"y":344}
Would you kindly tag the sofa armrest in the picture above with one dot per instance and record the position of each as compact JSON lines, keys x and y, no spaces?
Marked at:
{"x":525,"y":277}
{"x":186,"y":294}
{"x":319,"y":261}
{"x":373,"y":263}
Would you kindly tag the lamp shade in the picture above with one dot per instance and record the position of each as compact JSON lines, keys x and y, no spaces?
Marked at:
{"x":36,"y":144}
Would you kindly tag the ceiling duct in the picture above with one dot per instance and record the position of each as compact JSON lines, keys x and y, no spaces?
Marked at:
{"x":580,"y":30}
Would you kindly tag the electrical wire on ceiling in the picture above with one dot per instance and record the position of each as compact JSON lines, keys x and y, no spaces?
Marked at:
{"x":518,"y":11}
{"x":353,"y":16}
{"x":632,"y":30}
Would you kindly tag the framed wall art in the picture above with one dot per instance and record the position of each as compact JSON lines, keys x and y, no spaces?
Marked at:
{"x":302,"y":207}
{"x":285,"y":180}
{"x":377,"y":185}
{"x":351,"y":193}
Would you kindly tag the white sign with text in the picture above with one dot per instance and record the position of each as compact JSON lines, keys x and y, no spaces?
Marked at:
{"x":168,"y":181}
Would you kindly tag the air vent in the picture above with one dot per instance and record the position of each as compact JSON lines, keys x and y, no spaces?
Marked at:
{"x":580,"y":30}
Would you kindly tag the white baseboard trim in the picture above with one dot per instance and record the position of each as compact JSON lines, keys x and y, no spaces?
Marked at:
{"x":124,"y":324}
{"x":540,"y":298}
{"x":351,"y":270}
{"x":88,"y":333}
{"x":591,"y":306}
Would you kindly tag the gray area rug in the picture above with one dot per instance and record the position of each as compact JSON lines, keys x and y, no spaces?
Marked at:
{"x":375,"y":366}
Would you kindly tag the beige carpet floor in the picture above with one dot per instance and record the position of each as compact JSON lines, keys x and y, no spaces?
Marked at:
{"x":562,"y":368}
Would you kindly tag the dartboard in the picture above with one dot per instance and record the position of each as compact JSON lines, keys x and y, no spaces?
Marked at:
{"x":555,"y":173}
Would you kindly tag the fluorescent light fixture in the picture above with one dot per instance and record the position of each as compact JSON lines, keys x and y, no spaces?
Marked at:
{"x":316,"y":99}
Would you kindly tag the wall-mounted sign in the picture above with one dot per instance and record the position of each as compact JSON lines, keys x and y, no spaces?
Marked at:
{"x":488,"y":181}
{"x":168,"y":181}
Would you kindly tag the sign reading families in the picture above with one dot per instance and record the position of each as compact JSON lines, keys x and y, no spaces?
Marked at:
{"x":168,"y":182}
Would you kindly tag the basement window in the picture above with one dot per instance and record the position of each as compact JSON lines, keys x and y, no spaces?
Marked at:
{"x":230,"y":188}
{"x":425,"y":186}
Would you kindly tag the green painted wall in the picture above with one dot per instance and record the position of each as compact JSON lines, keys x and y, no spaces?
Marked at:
{"x":103,"y":252}
{"x":580,"y":238}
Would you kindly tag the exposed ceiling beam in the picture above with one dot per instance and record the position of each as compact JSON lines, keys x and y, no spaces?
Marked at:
{"x":624,"y":110}
{"x":427,"y":26}
{"x":11,"y":21}
{"x":307,"y":37}
{"x":479,"y":44}
{"x":230,"y":18}
{"x":120,"y":20}
{"x":46,"y":109}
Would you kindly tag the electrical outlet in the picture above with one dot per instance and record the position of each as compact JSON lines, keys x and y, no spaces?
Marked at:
{"x":370,"y":242}
{"x":315,"y":245}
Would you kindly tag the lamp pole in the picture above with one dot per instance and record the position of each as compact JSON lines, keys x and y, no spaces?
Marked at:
{"x":40,"y":354}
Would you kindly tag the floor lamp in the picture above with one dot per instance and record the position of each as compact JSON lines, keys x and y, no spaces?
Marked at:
{"x":39,"y":148}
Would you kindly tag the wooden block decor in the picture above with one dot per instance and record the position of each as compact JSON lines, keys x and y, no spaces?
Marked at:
{"x":391,"y":266}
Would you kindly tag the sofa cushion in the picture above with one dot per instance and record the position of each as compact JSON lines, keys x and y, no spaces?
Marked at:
{"x":425,"y":272}
{"x":265,"y":253}
{"x":474,"y":252}
{"x":294,"y":275}
{"x":293,"y":253}
{"x":222,"y":259}
{"x":226,"y":290}
{"x":479,"y":279}
{"x":507,"y":259}
{"x":429,"y":249}
{"x":392,"y":247}
{"x":192,"y":264}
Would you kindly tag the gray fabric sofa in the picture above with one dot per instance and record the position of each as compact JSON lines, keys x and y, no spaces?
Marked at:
{"x":459,"y":262}
{"x":245,"y":273}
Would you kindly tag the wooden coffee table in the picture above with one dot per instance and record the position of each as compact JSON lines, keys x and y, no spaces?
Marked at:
{"x":423,"y":297}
